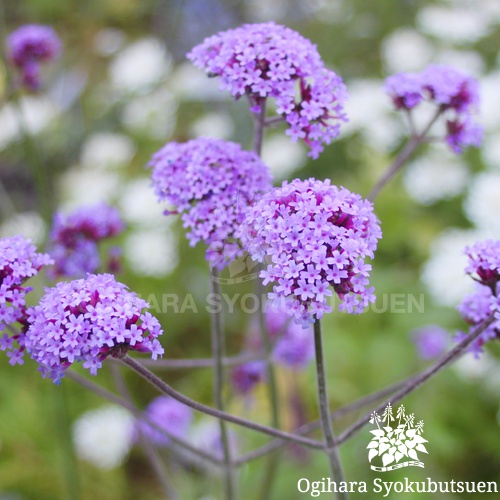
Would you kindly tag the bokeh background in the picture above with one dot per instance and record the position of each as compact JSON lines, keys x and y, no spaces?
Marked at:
{"x":123,"y":88}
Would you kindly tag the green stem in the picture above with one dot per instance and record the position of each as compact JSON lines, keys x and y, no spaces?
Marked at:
{"x":218,"y":354}
{"x":324,"y":409}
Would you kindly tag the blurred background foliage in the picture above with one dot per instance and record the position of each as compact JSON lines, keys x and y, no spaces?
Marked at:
{"x":121,"y":90}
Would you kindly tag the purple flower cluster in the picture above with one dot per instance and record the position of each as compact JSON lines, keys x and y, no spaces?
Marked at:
{"x":73,"y":239}
{"x":484,"y":267}
{"x":30,"y":45}
{"x":212,"y":183}
{"x":88,"y":320}
{"x":295,"y":347}
{"x":313,"y":235}
{"x":245,"y":377}
{"x":19,"y":261}
{"x":269,"y":60}
{"x":455,"y":94}
{"x":431,"y":341}
{"x":168,"y":414}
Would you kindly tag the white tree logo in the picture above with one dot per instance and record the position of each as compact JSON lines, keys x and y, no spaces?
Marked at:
{"x":393,"y":444}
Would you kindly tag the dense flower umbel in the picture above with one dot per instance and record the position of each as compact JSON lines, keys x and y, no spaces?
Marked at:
{"x":245,"y":377}
{"x":30,"y":45}
{"x":88,"y":320}
{"x":269,"y":60}
{"x":455,"y":94}
{"x":313,"y":236}
{"x":19,"y":261}
{"x":168,"y":414}
{"x":74,"y":238}
{"x":295,"y":347}
{"x":212,"y":183}
{"x":484,"y":267}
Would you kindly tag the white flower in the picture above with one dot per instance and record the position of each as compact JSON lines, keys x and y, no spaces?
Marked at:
{"x":435,"y":176}
{"x":108,"y":41}
{"x":216,"y":125}
{"x":370,"y":112}
{"x":151,"y":251}
{"x":104,"y":436}
{"x":140,"y":65}
{"x":468,"y":61}
{"x":406,"y":50}
{"x":28,"y":224}
{"x":153,"y":114}
{"x":490,"y":150}
{"x":139,"y":206}
{"x":454,"y":24}
{"x":83,"y":186}
{"x":490,"y":113}
{"x":37,"y":113}
{"x":283,"y":156}
{"x":107,"y":150}
{"x":443,"y":273}
{"x":190,"y":83}
{"x":482,"y":205}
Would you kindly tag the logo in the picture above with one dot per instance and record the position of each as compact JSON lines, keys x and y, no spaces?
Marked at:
{"x":396,"y":439}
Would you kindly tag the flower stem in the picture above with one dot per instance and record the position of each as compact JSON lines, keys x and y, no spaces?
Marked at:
{"x":270,"y":470}
{"x":218,"y":353}
{"x":324,"y":409}
{"x":175,"y":364}
{"x":413,"y":142}
{"x":208,"y":410}
{"x":109,"y":396}
{"x":417,"y":381}
{"x":149,"y":450}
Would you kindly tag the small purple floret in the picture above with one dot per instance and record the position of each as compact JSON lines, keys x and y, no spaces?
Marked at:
{"x":30,"y":45}
{"x":212,"y":183}
{"x":313,"y":236}
{"x":271,"y":61}
{"x":86,"y":321}
{"x":74,"y":238}
{"x":19,"y":261}
{"x":168,"y":414}
{"x":454,"y":93}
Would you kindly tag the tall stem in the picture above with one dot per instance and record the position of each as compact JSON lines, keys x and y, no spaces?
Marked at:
{"x":324,"y":409}
{"x":270,"y":470}
{"x":145,"y":442}
{"x":218,"y":354}
{"x":417,"y":381}
{"x":208,"y":410}
{"x":413,"y":142}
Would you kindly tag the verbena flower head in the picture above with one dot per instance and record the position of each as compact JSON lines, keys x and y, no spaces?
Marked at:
{"x":86,"y":321}
{"x":271,"y":61}
{"x":483,"y":266}
{"x":313,"y":236}
{"x":168,"y":414}
{"x":19,"y":261}
{"x":431,"y":341}
{"x":454,"y":93}
{"x":484,"y":262}
{"x":30,"y":45}
{"x":74,"y":238}
{"x":295,"y":347}
{"x":212,"y":183}
{"x":405,"y":89}
{"x":245,"y":377}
